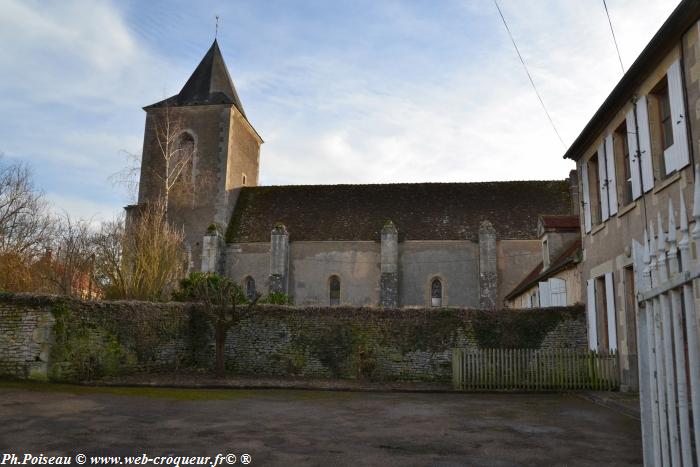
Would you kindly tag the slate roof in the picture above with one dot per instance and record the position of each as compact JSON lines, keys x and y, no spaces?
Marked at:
{"x":209,"y":84}
{"x":420,"y":211}
{"x":569,"y":256}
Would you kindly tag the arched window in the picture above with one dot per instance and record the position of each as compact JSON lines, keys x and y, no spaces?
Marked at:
{"x":244,"y":180}
{"x":249,"y":284}
{"x":436,"y":293}
{"x":334,"y":290}
{"x":182,"y":161}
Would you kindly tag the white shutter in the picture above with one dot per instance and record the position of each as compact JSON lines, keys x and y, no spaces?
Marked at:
{"x":634,"y":156}
{"x":528,"y":301}
{"x":586,"y":197}
{"x":680,"y":136}
{"x":612,"y":183}
{"x":603,"y":182}
{"x":645,"y":144}
{"x":557,"y":289}
{"x":545,"y":295}
{"x":590,"y":311}
{"x":610,"y":302}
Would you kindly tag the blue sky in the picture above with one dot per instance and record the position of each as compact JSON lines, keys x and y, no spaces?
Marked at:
{"x":342,"y":91}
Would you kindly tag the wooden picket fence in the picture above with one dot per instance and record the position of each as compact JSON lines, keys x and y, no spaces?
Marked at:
{"x":533,"y":370}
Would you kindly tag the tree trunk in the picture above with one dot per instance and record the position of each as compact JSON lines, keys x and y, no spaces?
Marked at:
{"x":220,"y":338}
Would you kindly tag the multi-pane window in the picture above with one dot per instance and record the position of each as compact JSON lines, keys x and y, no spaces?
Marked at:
{"x":665,"y":116}
{"x":334,"y":290}
{"x":593,"y":189}
{"x":622,"y":158}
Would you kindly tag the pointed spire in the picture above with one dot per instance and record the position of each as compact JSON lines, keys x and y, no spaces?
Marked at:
{"x":209,"y":84}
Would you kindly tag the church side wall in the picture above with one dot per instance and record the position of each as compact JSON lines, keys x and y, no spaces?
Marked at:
{"x":249,"y":259}
{"x":456,"y":263}
{"x":355,"y":263}
{"x":516,"y":259}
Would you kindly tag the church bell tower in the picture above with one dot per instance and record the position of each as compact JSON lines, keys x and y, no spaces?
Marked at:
{"x":199,"y":150}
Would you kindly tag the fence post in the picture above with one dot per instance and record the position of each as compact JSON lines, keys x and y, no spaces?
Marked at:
{"x":678,"y":342}
{"x":690,"y":311}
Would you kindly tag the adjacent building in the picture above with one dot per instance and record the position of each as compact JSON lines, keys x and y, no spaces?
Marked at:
{"x":634,"y":157}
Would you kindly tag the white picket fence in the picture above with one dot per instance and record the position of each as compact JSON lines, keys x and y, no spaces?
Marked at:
{"x":669,"y":360}
{"x":533,"y":370}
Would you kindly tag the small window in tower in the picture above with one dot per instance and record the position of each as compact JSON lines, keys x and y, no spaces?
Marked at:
{"x":334,"y":290}
{"x":436,"y":293}
{"x":243,"y":180}
{"x":249,"y":288}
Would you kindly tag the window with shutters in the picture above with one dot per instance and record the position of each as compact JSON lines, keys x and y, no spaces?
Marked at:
{"x":557,"y":289}
{"x":334,"y":290}
{"x":593,"y":190}
{"x":622,"y":164}
{"x":660,"y":129}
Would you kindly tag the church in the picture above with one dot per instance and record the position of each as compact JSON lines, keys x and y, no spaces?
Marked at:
{"x":390,"y":245}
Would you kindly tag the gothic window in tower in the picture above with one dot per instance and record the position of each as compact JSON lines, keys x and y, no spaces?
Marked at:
{"x":250,"y":291}
{"x":334,"y":290}
{"x":436,"y":293}
{"x":243,"y":180}
{"x":181,"y":168}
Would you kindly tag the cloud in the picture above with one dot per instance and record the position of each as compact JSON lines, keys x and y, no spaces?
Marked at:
{"x":342,"y":92}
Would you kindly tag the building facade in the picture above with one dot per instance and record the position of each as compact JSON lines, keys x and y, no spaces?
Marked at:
{"x":634,"y":157}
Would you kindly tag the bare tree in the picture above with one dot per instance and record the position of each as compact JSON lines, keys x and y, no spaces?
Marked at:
{"x":25,"y":225}
{"x":176,"y":149}
{"x":223,"y":306}
{"x":144,"y":261}
{"x":69,"y":268}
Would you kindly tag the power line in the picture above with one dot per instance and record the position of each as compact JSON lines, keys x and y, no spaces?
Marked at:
{"x":619,"y":57}
{"x":528,"y":75}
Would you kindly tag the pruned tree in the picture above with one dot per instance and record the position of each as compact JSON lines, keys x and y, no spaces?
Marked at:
{"x":223,"y":304}
{"x":25,"y":226}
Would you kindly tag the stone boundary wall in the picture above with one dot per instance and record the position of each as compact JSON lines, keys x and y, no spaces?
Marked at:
{"x":47,"y":337}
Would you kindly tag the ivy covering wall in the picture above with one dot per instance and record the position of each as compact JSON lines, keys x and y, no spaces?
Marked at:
{"x":70,"y":340}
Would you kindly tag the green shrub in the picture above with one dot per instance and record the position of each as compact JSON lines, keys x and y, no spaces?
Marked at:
{"x":277,"y":298}
{"x":190,"y":285}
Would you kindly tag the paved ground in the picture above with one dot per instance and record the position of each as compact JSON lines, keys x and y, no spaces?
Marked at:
{"x":293,"y":427}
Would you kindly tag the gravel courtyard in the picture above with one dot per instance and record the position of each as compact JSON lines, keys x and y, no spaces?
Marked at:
{"x":295,"y":427}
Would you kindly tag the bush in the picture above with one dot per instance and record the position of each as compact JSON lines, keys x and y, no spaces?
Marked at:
{"x":190,"y":285}
{"x":277,"y":298}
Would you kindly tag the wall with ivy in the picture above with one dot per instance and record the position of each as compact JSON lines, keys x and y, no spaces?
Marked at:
{"x":72,"y":340}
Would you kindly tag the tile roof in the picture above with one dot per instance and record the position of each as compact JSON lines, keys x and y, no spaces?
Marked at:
{"x":420,"y":211}
{"x":568,"y":222}
{"x":569,"y":256}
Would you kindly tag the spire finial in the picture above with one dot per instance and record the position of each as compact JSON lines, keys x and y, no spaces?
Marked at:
{"x":216,"y":31}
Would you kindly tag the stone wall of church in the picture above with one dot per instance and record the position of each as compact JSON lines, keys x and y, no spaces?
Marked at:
{"x":49,"y":337}
{"x":358,"y":265}
{"x":455,"y":263}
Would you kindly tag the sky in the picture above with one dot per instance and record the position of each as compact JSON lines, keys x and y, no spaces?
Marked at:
{"x":356,"y":91}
